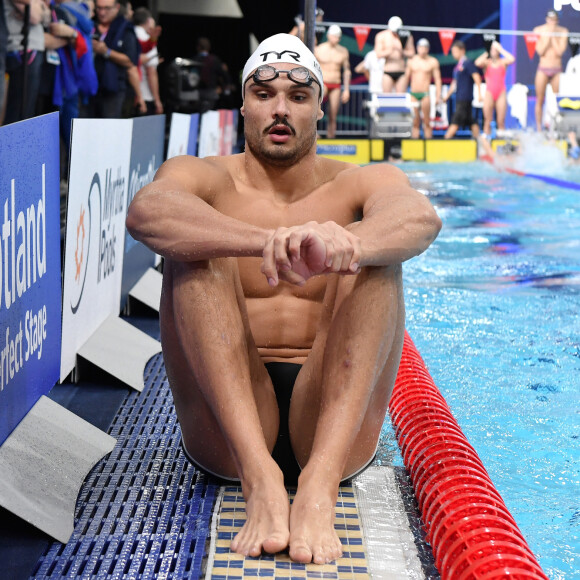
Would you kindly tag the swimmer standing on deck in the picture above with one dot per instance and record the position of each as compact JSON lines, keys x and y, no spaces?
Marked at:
{"x":278,"y":261}
{"x":551,"y":45}
{"x":334,"y":60}
{"x":421,"y":69}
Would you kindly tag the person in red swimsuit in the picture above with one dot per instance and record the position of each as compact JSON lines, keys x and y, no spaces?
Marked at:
{"x":494,"y":65}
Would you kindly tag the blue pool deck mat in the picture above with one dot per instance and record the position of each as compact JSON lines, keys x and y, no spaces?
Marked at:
{"x":144,"y":512}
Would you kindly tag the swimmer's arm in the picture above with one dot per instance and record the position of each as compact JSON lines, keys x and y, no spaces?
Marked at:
{"x":437,"y":81}
{"x":560,"y":43}
{"x":409,"y":50}
{"x":398,"y":222}
{"x":477,"y":80}
{"x":452,"y":89}
{"x":346,"y":73}
{"x":481,"y":60}
{"x":543,"y":40}
{"x":383,"y":48}
{"x":408,"y":73}
{"x":361,"y":68}
{"x":174,"y":217}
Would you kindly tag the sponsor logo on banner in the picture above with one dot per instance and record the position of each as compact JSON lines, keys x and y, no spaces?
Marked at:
{"x":336,"y":150}
{"x":559,"y":4}
{"x":95,"y":237}
{"x":30,"y":288}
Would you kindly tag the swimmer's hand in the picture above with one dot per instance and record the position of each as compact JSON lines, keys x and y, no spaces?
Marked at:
{"x":297,"y":253}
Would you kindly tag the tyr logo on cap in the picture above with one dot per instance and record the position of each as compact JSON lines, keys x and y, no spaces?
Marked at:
{"x":291,"y":53}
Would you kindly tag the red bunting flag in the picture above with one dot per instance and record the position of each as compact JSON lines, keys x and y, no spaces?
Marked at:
{"x":361,"y":33}
{"x":531,"y":41}
{"x":446,"y":37}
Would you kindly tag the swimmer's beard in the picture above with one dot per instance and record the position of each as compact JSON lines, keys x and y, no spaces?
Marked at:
{"x":279,"y":154}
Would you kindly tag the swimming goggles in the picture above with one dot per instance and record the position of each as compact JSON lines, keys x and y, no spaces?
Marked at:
{"x":300,"y":75}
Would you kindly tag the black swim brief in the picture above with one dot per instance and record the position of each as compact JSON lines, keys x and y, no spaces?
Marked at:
{"x":395,"y":75}
{"x":283,"y":376}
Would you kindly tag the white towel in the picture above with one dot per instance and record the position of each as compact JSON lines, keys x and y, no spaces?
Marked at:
{"x":517,"y":99}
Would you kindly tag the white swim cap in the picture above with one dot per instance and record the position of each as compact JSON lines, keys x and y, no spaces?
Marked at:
{"x":282,"y":48}
{"x":334,"y":29}
{"x":394,"y":23}
{"x":423,"y":42}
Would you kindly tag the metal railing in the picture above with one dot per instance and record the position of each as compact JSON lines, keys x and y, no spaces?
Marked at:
{"x":353,"y":117}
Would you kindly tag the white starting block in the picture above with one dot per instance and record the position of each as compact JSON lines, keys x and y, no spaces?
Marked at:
{"x":391,"y":115}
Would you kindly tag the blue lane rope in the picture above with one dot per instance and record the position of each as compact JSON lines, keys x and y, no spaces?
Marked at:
{"x":550,"y":180}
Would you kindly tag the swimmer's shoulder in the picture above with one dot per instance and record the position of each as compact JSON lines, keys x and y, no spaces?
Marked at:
{"x":205,"y":177}
{"x":362,"y":181}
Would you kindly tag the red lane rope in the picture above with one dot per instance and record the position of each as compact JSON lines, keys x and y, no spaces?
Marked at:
{"x":470,"y":529}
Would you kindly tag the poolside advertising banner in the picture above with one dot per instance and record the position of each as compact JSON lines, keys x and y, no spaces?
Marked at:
{"x":95,"y":234}
{"x":217,"y":133}
{"x":228,"y":123}
{"x":147,"y":144}
{"x":183,"y":135}
{"x":209,"y":134}
{"x":30,"y":287}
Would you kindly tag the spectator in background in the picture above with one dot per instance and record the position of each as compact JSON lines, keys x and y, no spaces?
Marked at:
{"x":147,"y":34}
{"x":421,"y":70}
{"x":494,"y":65}
{"x":334,"y":60}
{"x":116,"y":51}
{"x":551,"y":45}
{"x":3,"y":45}
{"x":212,"y":75}
{"x":372,"y":67}
{"x":18,"y":105}
{"x":299,"y":28}
{"x":69,"y":73}
{"x":389,"y":45}
{"x":465,"y":75}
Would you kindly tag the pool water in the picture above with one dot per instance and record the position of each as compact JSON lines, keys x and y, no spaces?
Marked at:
{"x":494,"y":308}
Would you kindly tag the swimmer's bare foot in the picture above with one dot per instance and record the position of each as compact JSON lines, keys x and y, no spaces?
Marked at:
{"x":312,"y":534}
{"x":267,"y":514}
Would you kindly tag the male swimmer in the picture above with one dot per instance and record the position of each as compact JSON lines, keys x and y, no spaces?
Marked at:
{"x":551,"y":45}
{"x":389,"y":45}
{"x":282,"y":263}
{"x":335,"y":65}
{"x":421,"y":70}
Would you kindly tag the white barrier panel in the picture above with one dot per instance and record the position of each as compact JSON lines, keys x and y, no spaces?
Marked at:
{"x":95,"y":235}
{"x":183,"y":135}
{"x":209,"y":134}
{"x":30,"y":288}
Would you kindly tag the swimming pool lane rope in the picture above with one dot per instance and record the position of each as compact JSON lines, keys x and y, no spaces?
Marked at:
{"x":470,"y":529}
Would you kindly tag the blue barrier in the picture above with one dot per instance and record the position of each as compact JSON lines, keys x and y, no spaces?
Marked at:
{"x":30,"y":274}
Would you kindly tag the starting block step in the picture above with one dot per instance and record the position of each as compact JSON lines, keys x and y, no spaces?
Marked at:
{"x":439,"y":150}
